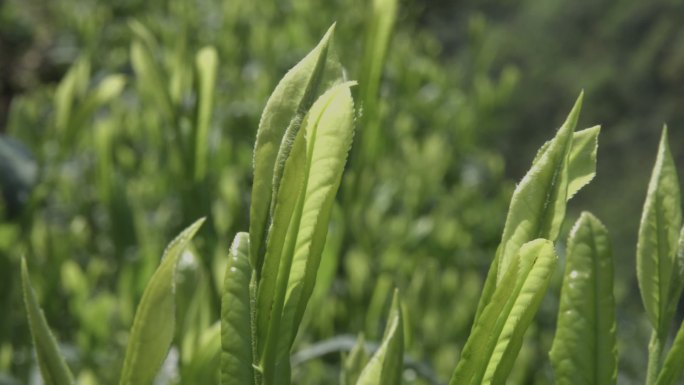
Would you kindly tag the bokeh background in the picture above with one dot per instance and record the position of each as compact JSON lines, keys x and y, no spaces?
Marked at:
{"x":98,"y":109}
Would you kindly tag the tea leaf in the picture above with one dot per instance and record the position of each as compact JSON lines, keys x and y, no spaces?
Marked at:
{"x":674,"y":361}
{"x":329,"y":129}
{"x":658,"y":238}
{"x":353,"y":364}
{"x":386,"y":365}
{"x":378,"y":35}
{"x":236,"y":332}
{"x":290,"y":100}
{"x":584,"y":350}
{"x":154,"y":323}
{"x":496,"y":338}
{"x":52,"y":365}
{"x":538,"y":204}
{"x":279,"y":254}
{"x":582,"y":159}
{"x":537,"y":208}
{"x":206,"y":64}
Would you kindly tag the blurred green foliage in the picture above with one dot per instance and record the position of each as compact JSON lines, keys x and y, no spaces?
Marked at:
{"x":118,"y":135}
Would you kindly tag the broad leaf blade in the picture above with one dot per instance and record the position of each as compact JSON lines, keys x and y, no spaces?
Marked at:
{"x":386,"y":365}
{"x":584,"y":349}
{"x":329,"y":133}
{"x":496,"y":338}
{"x":236,"y":332}
{"x":658,"y":235}
{"x":154,"y":323}
{"x":290,"y":100}
{"x":52,"y":365}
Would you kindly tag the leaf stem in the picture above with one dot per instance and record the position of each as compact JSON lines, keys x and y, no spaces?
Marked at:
{"x":655,"y":353}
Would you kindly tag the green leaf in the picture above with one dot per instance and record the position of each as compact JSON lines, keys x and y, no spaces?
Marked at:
{"x":73,"y":85}
{"x":674,"y":361}
{"x":584,"y":350}
{"x":353,"y":364}
{"x":52,"y":365}
{"x":538,"y":204}
{"x":386,"y":365}
{"x":206,"y":64}
{"x":203,"y":366}
{"x":236,"y":332}
{"x":496,"y":338}
{"x":154,"y":322}
{"x":582,"y":159}
{"x":377,"y":41}
{"x":328,"y":132}
{"x":149,"y":78}
{"x":279,"y":254}
{"x":658,"y":238}
{"x":537,"y":208}
{"x":278,"y":127}
{"x":329,"y":129}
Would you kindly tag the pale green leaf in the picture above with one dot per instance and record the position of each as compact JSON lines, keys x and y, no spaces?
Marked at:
{"x":328,"y":132}
{"x":377,"y":42}
{"x":329,"y":128}
{"x":278,"y":127}
{"x":582,"y":159}
{"x":386,"y":365}
{"x":537,"y":208}
{"x":51,"y":363}
{"x":236,"y":323}
{"x":658,"y":238}
{"x":279,"y":252}
{"x":538,"y":204}
{"x":496,"y":338}
{"x":154,"y":323}
{"x":149,"y":78}
{"x":206,"y":64}
{"x":584,"y":350}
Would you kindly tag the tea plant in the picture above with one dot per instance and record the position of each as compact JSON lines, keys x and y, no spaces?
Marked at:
{"x":270,"y":275}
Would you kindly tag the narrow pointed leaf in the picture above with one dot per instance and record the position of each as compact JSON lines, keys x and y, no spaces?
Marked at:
{"x":376,"y":45}
{"x":386,"y":365}
{"x":236,"y":332}
{"x":674,"y":361}
{"x":148,"y":77}
{"x":353,"y":364}
{"x":584,"y":349}
{"x":277,"y":255}
{"x":154,"y":323}
{"x":53,"y":368}
{"x":496,"y":338}
{"x":289,"y":102}
{"x":658,"y":237}
{"x":329,"y":131}
{"x":538,"y":204}
{"x":206,"y":64}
